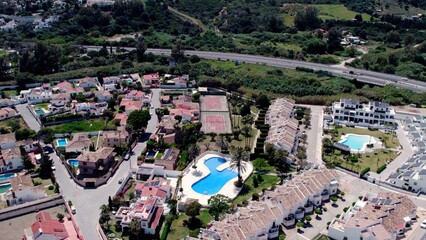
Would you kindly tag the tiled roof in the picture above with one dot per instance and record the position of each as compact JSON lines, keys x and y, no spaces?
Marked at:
{"x":11,"y":153}
{"x":101,"y":153}
{"x":7,"y":138}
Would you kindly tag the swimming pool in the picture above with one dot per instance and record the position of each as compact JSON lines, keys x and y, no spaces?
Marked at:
{"x":4,"y":188}
{"x":39,"y":111}
{"x":213,"y":182}
{"x":356,"y":142}
{"x":61,"y":142}
{"x":6,"y":176}
{"x":73,"y":162}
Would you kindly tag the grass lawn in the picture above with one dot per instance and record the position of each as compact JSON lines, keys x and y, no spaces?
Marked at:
{"x":131,"y":190}
{"x":46,"y":183}
{"x":159,"y":155}
{"x":117,"y":232}
{"x":178,"y":231}
{"x":90,"y":125}
{"x":391,"y":139}
{"x":42,"y":105}
{"x":11,"y":93}
{"x":337,"y":11}
{"x":372,"y":160}
{"x":3,"y":124}
{"x":248,"y":189}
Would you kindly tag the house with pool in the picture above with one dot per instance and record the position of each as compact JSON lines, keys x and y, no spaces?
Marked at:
{"x":80,"y":142}
{"x":92,"y":164}
{"x":212,"y":175}
{"x":23,"y":190}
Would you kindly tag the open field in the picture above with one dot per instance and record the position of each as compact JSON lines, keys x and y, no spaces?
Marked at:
{"x":3,"y":124}
{"x":90,"y":125}
{"x":337,"y":11}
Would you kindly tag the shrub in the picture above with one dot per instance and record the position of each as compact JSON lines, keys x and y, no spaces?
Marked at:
{"x":51,"y":187}
{"x":338,"y":215}
{"x":37,"y":183}
{"x":365,"y":170}
{"x":381,"y":168}
{"x":259,"y":178}
{"x":304,"y":69}
{"x":345,"y":209}
{"x":255,"y":197}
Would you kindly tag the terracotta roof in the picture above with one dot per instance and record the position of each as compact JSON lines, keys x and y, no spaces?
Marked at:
{"x":122,"y":117}
{"x":21,"y":182}
{"x":101,"y":153}
{"x":11,"y":153}
{"x":79,"y":140}
{"x":7,"y":110}
{"x":7,"y":138}
{"x":46,"y":225}
{"x":130,"y":104}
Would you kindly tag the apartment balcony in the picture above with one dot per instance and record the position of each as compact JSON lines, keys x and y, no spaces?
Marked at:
{"x":289,"y":221}
{"x":273,"y":232}
{"x":325,"y":195}
{"x":300,"y":213}
{"x":309,"y":207}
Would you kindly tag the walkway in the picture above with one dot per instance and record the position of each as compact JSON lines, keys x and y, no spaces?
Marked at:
{"x":28,"y":117}
{"x":314,"y":140}
{"x":407,"y":152}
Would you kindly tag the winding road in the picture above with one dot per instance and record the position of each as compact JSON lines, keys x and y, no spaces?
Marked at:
{"x":371,"y":77}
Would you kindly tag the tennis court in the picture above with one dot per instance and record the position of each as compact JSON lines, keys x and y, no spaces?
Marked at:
{"x":214,"y":104}
{"x":217,"y":122}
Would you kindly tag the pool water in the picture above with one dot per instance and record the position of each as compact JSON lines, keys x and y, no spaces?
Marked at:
{"x":6,"y":176}
{"x":73,"y":162}
{"x":39,"y":111}
{"x":356,"y":142}
{"x":213,"y":182}
{"x":62,"y":142}
{"x":4,"y":188}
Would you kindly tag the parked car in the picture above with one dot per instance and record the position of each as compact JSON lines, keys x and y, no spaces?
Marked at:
{"x":423,"y":225}
{"x":127,"y":156}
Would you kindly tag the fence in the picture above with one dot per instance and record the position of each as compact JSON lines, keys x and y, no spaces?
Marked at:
{"x":33,"y":206}
{"x":124,"y":183}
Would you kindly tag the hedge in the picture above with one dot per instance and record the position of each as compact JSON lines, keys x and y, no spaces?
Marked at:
{"x":66,"y":116}
{"x":366,"y":170}
{"x":304,"y":69}
{"x":166,"y":228}
{"x":381,"y":168}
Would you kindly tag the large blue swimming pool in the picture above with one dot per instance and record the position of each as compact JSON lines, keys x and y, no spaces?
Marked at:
{"x":212,"y":183}
{"x":356,"y":142}
{"x":6,"y":176}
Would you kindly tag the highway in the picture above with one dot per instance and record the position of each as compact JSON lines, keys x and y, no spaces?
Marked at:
{"x":365,"y":76}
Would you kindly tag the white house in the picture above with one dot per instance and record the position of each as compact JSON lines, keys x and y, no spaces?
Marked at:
{"x":7,"y":141}
{"x":374,"y":114}
{"x":111,"y":80}
{"x":11,"y":159}
{"x":6,"y":113}
{"x":60,"y":99}
{"x":88,"y":82}
{"x":385,"y":216}
{"x":36,"y":95}
{"x":29,"y":145}
{"x":23,"y":190}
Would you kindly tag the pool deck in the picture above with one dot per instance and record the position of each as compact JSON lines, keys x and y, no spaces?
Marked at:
{"x":191,"y":176}
{"x":375,"y":141}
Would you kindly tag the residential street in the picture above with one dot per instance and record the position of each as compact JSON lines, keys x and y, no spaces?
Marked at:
{"x":28,"y":117}
{"x":88,"y":201}
{"x":314,"y":140}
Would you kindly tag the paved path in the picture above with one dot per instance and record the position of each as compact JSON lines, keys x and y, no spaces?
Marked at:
{"x":88,"y":201}
{"x":314,"y":134}
{"x":28,"y":117}
{"x":407,"y":152}
{"x":366,"y":76}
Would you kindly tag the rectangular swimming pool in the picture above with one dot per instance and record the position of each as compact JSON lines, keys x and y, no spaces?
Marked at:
{"x":62,"y":142}
{"x":39,"y":111}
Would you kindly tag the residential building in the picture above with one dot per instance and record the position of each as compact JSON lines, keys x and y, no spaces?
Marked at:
{"x":139,"y":96}
{"x":7,"y":141}
{"x":283,"y":132}
{"x":373,"y":114}
{"x":385,"y":216}
{"x":47,"y":228}
{"x":68,"y":88}
{"x":80,"y":142}
{"x":282,"y":206}
{"x":135,"y":77}
{"x":169,"y":159}
{"x":36,"y":95}
{"x":88,"y":82}
{"x":131,"y":105}
{"x":175,"y":83}
{"x":149,"y":207}
{"x":122,"y":117}
{"x":111,"y":80}
{"x":6,"y":102}
{"x":103,"y":96}
{"x":11,"y":159}
{"x":60,"y":99}
{"x":93,"y":109}
{"x":151,"y":80}
{"x":165,"y":130}
{"x":29,"y":145}
{"x":23,"y":190}
{"x":6,"y":113}
{"x":116,"y":138}
{"x":95,"y":163}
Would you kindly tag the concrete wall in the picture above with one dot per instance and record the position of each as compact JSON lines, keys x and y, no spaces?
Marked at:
{"x":33,"y":206}
{"x":74,"y":223}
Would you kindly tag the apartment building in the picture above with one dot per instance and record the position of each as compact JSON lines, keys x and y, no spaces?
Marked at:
{"x":283,"y":132}
{"x":373,"y":114}
{"x":385,"y":216}
{"x":282,"y":206}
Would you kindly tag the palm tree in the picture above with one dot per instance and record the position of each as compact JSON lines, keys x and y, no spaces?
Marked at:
{"x":247,"y":120}
{"x":246,"y":131}
{"x":222,"y":143}
{"x":193,"y":152}
{"x":239,"y":160}
{"x":280,"y":157}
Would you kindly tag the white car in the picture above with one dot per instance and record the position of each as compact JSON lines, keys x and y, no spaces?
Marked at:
{"x":120,"y":180}
{"x":423,"y":225}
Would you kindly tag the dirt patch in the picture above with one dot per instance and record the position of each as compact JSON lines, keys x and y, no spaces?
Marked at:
{"x":408,"y":109}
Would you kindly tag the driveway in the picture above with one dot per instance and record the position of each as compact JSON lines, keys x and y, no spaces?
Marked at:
{"x":28,"y":117}
{"x":314,"y":139}
{"x":88,"y":201}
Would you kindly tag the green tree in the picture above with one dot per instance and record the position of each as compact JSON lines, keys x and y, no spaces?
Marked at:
{"x":317,"y":212}
{"x":45,"y":167}
{"x":46,"y":58}
{"x":299,"y":225}
{"x":60,"y":216}
{"x":138,"y":119}
{"x":219,"y":205}
{"x":135,"y":228}
{"x":334,"y":39}
{"x":140,"y":49}
{"x":193,"y":210}
{"x":26,"y":160}
{"x":239,"y":160}
{"x":307,"y":18}
{"x":193,"y":152}
{"x":262,"y":101}
{"x":14,"y":124}
{"x":223,"y":143}
{"x":178,"y":53}
{"x":260,"y":163}
{"x":280,"y":157}
{"x":308,"y":219}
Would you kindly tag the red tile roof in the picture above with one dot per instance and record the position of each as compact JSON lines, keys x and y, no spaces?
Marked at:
{"x":46,"y":225}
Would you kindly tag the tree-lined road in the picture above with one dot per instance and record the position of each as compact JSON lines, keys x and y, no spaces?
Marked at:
{"x":365,"y":76}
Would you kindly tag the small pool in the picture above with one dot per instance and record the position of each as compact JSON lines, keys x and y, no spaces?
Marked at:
{"x":150,"y":154}
{"x":4,"y":188}
{"x":213,"y":182}
{"x":6,"y":176}
{"x":73,"y":162}
{"x":357,"y":142}
{"x":61,"y":142}
{"x":39,"y":111}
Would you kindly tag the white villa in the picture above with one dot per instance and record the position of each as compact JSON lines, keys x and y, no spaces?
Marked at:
{"x":385,"y":216}
{"x":23,"y":190}
{"x":373,"y":114}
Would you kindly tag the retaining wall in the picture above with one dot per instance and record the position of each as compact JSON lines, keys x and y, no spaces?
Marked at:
{"x":33,"y":206}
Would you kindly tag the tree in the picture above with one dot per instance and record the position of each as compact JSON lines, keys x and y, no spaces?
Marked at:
{"x":260,"y":163}
{"x":60,"y":216}
{"x":140,"y":49}
{"x":245,"y":110}
{"x":178,"y":53}
{"x":108,"y":114}
{"x":239,"y":160}
{"x":299,"y":225}
{"x":262,"y":101}
{"x":270,"y":151}
{"x":219,"y":204}
{"x":138,"y":119}
{"x":334,"y":39}
{"x":193,"y":210}
{"x":308,"y":219}
{"x":45,"y":167}
{"x":280,"y":157}
{"x":358,"y":17}
{"x":213,"y":135}
{"x":246,"y":131}
{"x":247,"y":120}
{"x":26,"y":160}
{"x":223,"y":143}
{"x":135,"y":228}
{"x":104,"y":216}
{"x":14,"y":124}
{"x":317,"y":212}
{"x":110,"y":203}
{"x":307,"y":18}
{"x":392,"y":37}
{"x":45,"y":60}
{"x":342,"y":194}
{"x":333,"y":199}
{"x":193,"y":152}
{"x":255,"y":182}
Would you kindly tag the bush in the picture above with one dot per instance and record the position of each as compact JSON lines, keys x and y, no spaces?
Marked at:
{"x":345,"y":209}
{"x":381,"y":168}
{"x":365,"y":170}
{"x":255,"y":197}
{"x":51,"y":187}
{"x":37,"y":183}
{"x":304,"y":69}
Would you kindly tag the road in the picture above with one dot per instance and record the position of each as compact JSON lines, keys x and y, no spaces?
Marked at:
{"x":28,"y":117}
{"x":88,"y":201}
{"x":314,"y":134}
{"x":365,"y":76}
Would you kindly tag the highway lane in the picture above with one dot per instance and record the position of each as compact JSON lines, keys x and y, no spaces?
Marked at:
{"x":365,"y":76}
